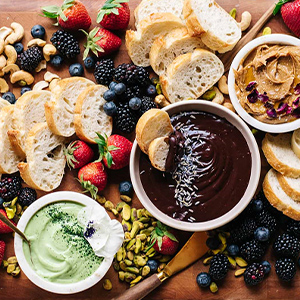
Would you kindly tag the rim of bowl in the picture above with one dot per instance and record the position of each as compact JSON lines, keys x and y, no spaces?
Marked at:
{"x":58,"y":288}
{"x":283,"y":39}
{"x":201,"y":105}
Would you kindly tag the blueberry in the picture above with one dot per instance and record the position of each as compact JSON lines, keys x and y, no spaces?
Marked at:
{"x":257,"y":205}
{"x":109,"y":95}
{"x":153,"y":265}
{"x":267,"y":266}
{"x":151,"y":90}
{"x":19,"y":47}
{"x":76,"y":69}
{"x":135,"y":103}
{"x":10,"y":97}
{"x":25,"y":89}
{"x":112,"y":85}
{"x":126,"y":188}
{"x":38,"y":31}
{"x":110,"y":108}
{"x":233,"y":250}
{"x":213,"y":243}
{"x":1,"y":202}
{"x":89,"y":62}
{"x":57,"y":60}
{"x":262,"y":234}
{"x":120,"y":88}
{"x":203,"y":279}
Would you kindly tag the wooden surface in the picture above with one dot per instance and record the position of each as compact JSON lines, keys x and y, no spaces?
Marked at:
{"x":183,"y":286}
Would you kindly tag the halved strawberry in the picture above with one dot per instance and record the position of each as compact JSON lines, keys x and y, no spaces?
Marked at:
{"x":2,"y":251}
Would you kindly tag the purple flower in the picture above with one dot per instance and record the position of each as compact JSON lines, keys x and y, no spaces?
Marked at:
{"x":263,"y":97}
{"x":90,"y":230}
{"x":297,"y":89}
{"x":268,"y":105}
{"x":296,"y":102}
{"x":252,"y":97}
{"x":250,"y":86}
{"x":282,"y":108}
{"x":272,"y":113}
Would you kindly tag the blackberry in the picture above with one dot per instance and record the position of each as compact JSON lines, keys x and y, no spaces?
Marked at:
{"x":147,"y":103}
{"x":252,"y":251}
{"x":219,"y":265}
{"x":285,"y":269}
{"x":244,"y":232}
{"x":65,"y":43}
{"x":27,"y":196}
{"x":133,"y":91}
{"x":267,"y":220}
{"x":286,"y":245}
{"x":293,"y":228}
{"x":30,"y":59}
{"x":10,"y":187}
{"x":254,"y":274}
{"x":131,"y":74}
{"x":124,"y":119}
{"x":104,"y":71}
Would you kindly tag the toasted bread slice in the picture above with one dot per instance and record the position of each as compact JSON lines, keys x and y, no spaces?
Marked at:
{"x":89,"y":114}
{"x":46,"y":161}
{"x":29,"y":110}
{"x":139,"y":42}
{"x":291,"y":186}
{"x":278,"y":198}
{"x":296,"y":142}
{"x":158,"y":152}
{"x":171,"y":45}
{"x":153,"y":124}
{"x":3,"y":103}
{"x":217,"y":29}
{"x":280,"y":156}
{"x":190,"y":75}
{"x":60,"y":109}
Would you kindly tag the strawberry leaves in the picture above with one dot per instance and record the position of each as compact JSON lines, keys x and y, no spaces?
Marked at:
{"x":69,"y":154}
{"x":91,"y":43}
{"x":54,"y":11}
{"x":110,"y":7}
{"x":88,"y":187}
{"x":278,"y":6}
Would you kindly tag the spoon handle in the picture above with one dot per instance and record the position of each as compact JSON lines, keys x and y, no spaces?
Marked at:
{"x":13,"y":227}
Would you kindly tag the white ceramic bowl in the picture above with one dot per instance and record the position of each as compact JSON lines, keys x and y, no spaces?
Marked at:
{"x":282,"y":39}
{"x":219,"y":110}
{"x":57,"y":288}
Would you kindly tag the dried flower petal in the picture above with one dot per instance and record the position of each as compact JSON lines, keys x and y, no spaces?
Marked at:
{"x":263,"y":97}
{"x":252,"y":97}
{"x":297,"y":89}
{"x":268,"y":105}
{"x":282,"y":108}
{"x":250,"y":86}
{"x":272,"y":113}
{"x":289,"y":110}
{"x":296,"y":102}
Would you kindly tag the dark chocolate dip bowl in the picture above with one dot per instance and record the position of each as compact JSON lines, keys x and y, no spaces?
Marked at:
{"x":224,"y":157}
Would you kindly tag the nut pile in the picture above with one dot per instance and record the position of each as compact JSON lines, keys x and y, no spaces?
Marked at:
{"x":11,"y":265}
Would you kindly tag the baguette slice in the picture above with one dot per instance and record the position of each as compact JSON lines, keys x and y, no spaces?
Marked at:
{"x":153,"y":124}
{"x":60,"y":109}
{"x":46,"y":161}
{"x":171,"y":45}
{"x":278,"y":198}
{"x":291,"y":186}
{"x":205,"y":18}
{"x":29,"y":110}
{"x":149,"y":7}
{"x":9,"y":160}
{"x":280,"y":156}
{"x":89,"y":114}
{"x":158,"y":152}
{"x":139,"y":42}
{"x":296,"y":142}
{"x":3,"y":103}
{"x":190,"y":75}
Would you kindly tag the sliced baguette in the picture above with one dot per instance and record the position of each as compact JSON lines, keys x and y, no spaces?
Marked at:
{"x":278,"y":198}
{"x":139,"y":42}
{"x":9,"y":160}
{"x":89,"y":114}
{"x":60,"y":109}
{"x":280,"y":156}
{"x":46,"y":161}
{"x":153,"y":124}
{"x":158,"y":152}
{"x":3,"y":103}
{"x":291,"y":186}
{"x":171,"y":45}
{"x":296,"y":142}
{"x":149,"y":7}
{"x":29,"y":110}
{"x":205,"y":18}
{"x":190,"y":75}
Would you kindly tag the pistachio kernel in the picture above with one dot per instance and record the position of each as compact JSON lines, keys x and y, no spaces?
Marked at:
{"x":136,"y":280}
{"x":239,"y":272}
{"x":207,"y":260}
{"x":16,"y":272}
{"x":233,"y":12}
{"x":121,"y":275}
{"x":125,"y":198}
{"x":241,"y":262}
{"x":213,"y":287}
{"x":12,"y":260}
{"x":108,"y":205}
{"x":209,"y":95}
{"x":107,"y":285}
{"x":10,"y":268}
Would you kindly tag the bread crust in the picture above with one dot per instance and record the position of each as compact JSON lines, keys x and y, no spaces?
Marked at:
{"x":152,"y":152}
{"x":25,"y":174}
{"x":286,"y":187}
{"x":295,"y":145}
{"x":193,"y":26}
{"x":14,"y":139}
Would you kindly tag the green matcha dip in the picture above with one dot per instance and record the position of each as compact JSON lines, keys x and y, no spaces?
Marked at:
{"x":59,"y":251}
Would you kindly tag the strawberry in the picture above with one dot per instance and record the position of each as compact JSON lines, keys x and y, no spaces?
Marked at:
{"x":114,"y":15}
{"x":101,"y":42}
{"x":114,"y":151}
{"x":163,"y":241}
{"x":72,"y":15}
{"x":2,"y":250}
{"x":93,"y":178}
{"x":3,"y":227}
{"x":78,"y":154}
{"x":290,"y":12}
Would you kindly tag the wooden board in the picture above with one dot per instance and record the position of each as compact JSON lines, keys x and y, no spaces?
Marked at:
{"x":183,"y":286}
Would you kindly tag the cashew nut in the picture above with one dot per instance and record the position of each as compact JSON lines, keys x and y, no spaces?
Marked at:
{"x":42,"y":65}
{"x":11,"y":54}
{"x":1,"y":73}
{"x":21,"y":77}
{"x":3,"y":86}
{"x":40,"y":85}
{"x":36,"y":42}
{"x":16,"y":35}
{"x":222,"y":85}
{"x":2,"y":61}
{"x":245,"y":20}
{"x":48,"y":50}
{"x":2,"y":44}
{"x":219,"y":98}
{"x":53,"y":84}
{"x":161,"y":101}
{"x":48,"y":76}
{"x":11,"y":68}
{"x":4,"y":32}
{"x":229,"y":106}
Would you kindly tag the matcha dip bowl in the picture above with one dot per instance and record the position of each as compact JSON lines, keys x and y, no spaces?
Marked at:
{"x":71,"y":201}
